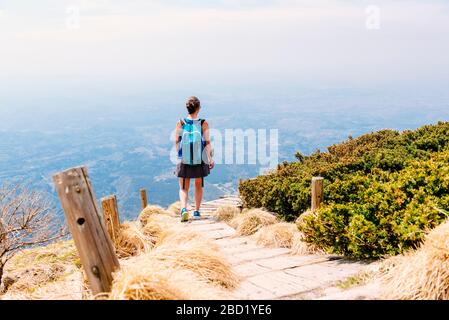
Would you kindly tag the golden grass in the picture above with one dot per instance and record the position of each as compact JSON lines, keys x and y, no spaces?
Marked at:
{"x":150,"y":211}
{"x":58,"y":252}
{"x":226,"y":213}
{"x":176,"y":236}
{"x":131,"y":241}
{"x":278,"y":235}
{"x":182,"y":265}
{"x":157,"y":225}
{"x":250,"y":221}
{"x":200,"y":257}
{"x":29,"y":279}
{"x":148,"y":279}
{"x":300,"y":220}
{"x":300,"y":247}
{"x":177,"y":251}
{"x":32,"y":271}
{"x":175,"y":208}
{"x":422,"y":274}
{"x":144,"y":284}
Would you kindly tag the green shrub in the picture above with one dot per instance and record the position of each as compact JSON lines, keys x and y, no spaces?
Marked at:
{"x":381,"y":191}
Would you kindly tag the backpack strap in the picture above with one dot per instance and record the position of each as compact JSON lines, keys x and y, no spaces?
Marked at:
{"x":202,"y":122}
{"x":202,"y":145}
{"x":181,"y":121}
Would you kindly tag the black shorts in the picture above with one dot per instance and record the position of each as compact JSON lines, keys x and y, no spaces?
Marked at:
{"x":195,"y":171}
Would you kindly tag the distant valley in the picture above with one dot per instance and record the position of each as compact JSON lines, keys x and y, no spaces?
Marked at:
{"x":128,"y":148}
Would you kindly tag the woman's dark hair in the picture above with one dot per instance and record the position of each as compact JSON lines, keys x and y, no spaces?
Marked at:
{"x":193,"y":104}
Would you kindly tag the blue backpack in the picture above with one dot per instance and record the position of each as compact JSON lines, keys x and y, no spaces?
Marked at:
{"x":192,"y":143}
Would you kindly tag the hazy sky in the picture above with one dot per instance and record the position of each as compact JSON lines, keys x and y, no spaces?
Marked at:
{"x":51,"y":45}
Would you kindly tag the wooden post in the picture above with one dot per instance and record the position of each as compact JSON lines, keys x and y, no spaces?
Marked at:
{"x":92,"y":241}
{"x":143,"y":198}
{"x":317,"y":192}
{"x":111,"y":216}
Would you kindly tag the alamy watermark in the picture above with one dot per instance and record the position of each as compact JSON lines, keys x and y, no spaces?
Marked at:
{"x":240,"y":147}
{"x":73,"y":19}
{"x":373,"y":17}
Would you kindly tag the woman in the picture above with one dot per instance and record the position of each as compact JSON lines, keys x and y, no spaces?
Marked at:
{"x":195,"y":156}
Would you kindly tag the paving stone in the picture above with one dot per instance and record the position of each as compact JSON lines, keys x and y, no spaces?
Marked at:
{"x":208,"y":227}
{"x":271,"y":273}
{"x":249,"y":291}
{"x":249,"y":269}
{"x":289,"y":261}
{"x":204,"y":221}
{"x":281,"y":284}
{"x":239,"y":248}
{"x":260,"y":253}
{"x":232,"y":241}
{"x":326,"y":272}
{"x":218,"y":234}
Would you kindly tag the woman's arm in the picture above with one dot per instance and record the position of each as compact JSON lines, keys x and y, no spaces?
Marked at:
{"x":208,"y":147}
{"x":177,"y":134}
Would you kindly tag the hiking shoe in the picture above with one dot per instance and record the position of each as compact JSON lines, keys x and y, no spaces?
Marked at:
{"x":196,"y":215}
{"x":184,"y":215}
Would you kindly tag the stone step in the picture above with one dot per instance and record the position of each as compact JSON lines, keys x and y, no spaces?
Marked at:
{"x":257,"y":254}
{"x":282,"y":284}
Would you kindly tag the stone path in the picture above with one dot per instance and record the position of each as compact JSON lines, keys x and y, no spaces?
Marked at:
{"x":268,"y":273}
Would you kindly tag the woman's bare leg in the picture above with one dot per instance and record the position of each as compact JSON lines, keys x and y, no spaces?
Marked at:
{"x":198,"y":193}
{"x":184,"y":193}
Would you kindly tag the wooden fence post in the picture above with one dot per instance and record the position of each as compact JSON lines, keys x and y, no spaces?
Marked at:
{"x":111,"y":216}
{"x":317,"y":192}
{"x":92,"y":241}
{"x":143,"y":198}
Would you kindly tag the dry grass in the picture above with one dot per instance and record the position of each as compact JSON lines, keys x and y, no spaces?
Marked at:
{"x":35,"y":276}
{"x":226,"y":213}
{"x":131,"y":241}
{"x":64,"y":287}
{"x":157,"y":225}
{"x":42,"y":269}
{"x":182,"y":265}
{"x":58,"y":252}
{"x":175,"y":208}
{"x":278,"y":235}
{"x":300,"y":219}
{"x":300,"y":247}
{"x":176,"y":236}
{"x":250,"y":221}
{"x":148,"y":279}
{"x":144,"y":284}
{"x":422,"y":274}
{"x":150,"y":211}
{"x":200,"y":257}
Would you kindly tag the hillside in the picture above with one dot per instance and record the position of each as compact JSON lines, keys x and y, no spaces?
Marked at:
{"x":382,"y":191}
{"x":385,"y":193}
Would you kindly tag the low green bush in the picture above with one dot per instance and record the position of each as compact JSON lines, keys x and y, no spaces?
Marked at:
{"x":382,"y":191}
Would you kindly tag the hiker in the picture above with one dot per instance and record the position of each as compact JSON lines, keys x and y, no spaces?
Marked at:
{"x":194,"y":155}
